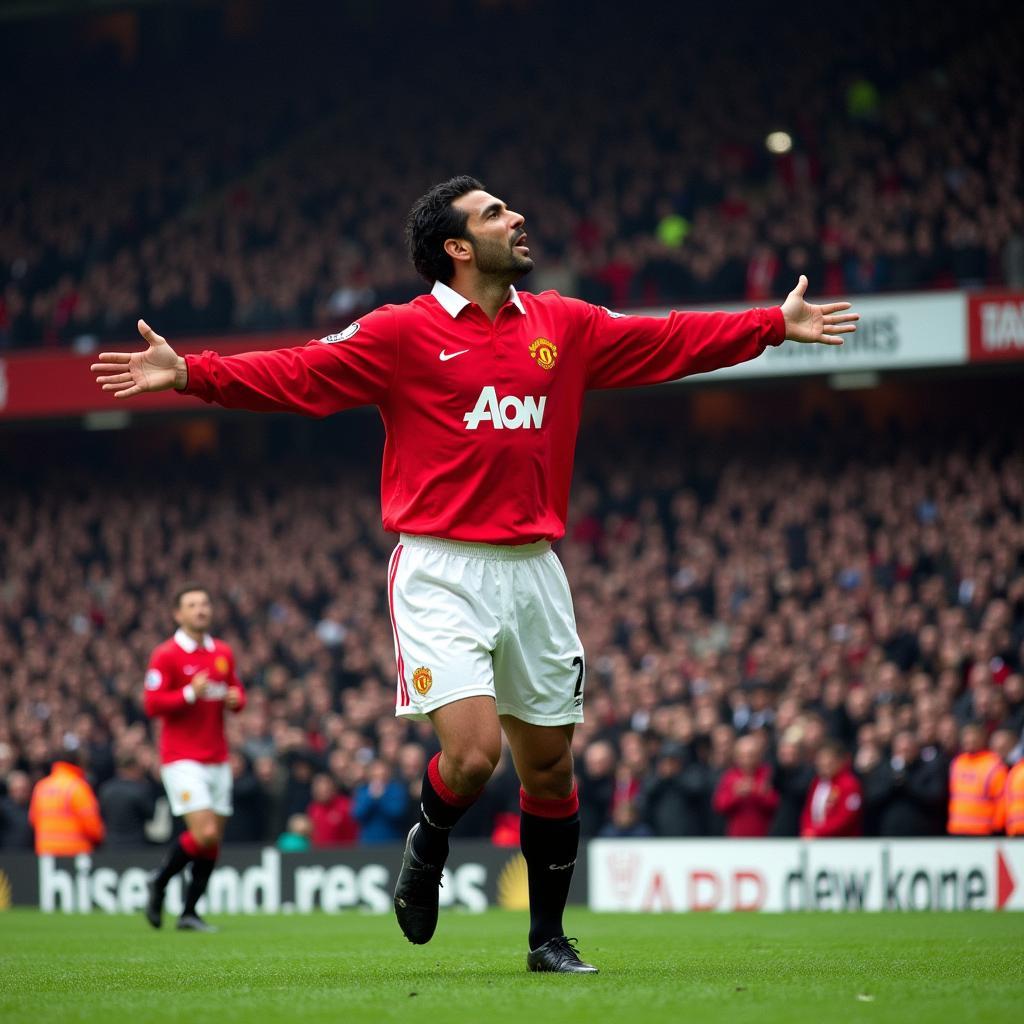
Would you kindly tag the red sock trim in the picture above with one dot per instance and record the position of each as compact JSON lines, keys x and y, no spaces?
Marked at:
{"x":191,"y":846}
{"x":565,"y":807}
{"x":449,"y":796}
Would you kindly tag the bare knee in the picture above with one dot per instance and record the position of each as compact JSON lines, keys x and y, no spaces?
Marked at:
{"x":467,"y":769}
{"x":549,"y":776}
{"x":206,"y":834}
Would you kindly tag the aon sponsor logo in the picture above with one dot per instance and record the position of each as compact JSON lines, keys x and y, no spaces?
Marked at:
{"x":508,"y":412}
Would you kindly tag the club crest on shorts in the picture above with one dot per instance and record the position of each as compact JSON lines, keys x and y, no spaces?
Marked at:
{"x":220,"y":663}
{"x":545,"y":352}
{"x":185,"y":796}
{"x":422,"y":680}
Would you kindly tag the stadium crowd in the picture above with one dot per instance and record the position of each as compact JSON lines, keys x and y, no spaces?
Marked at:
{"x":759,"y":616}
{"x":652,"y":185}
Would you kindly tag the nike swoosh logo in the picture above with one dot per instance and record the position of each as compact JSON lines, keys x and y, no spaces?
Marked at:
{"x":445,"y":356}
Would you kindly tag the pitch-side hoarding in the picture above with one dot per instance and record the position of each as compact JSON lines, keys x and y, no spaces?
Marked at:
{"x":262,"y":880}
{"x":639,"y":875}
{"x":996,"y":328}
{"x":672,"y":875}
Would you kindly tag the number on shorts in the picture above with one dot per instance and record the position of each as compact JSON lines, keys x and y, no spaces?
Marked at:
{"x":578,"y":663}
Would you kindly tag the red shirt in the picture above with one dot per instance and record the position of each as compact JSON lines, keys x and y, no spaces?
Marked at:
{"x":333,"y":822}
{"x":833,"y":808}
{"x":191,"y":731}
{"x":750,"y":813}
{"x":481,"y":417}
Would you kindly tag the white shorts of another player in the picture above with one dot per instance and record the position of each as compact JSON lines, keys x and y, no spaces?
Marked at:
{"x":485,"y":620}
{"x":194,"y":786}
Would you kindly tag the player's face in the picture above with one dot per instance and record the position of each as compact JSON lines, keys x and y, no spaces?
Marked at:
{"x":194,"y":611}
{"x":496,"y":235}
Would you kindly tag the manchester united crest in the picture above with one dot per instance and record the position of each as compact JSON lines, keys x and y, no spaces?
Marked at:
{"x":545,"y":352}
{"x":422,"y":680}
{"x":220,"y":663}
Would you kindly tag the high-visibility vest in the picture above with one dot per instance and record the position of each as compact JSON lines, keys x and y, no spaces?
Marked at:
{"x":976,"y":783}
{"x":64,"y":813}
{"x":1015,"y":800}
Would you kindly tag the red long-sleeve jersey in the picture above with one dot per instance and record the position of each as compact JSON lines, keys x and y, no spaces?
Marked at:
{"x":750,"y":813}
{"x":481,"y":417}
{"x":833,"y":807}
{"x":192,"y":730}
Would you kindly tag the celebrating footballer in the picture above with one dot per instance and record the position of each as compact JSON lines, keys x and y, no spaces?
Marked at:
{"x":480,"y":387}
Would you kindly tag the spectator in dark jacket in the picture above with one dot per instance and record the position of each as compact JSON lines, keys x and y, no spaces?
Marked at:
{"x":127,"y":802}
{"x":15,"y":828}
{"x":272,"y":777}
{"x":298,"y":790}
{"x":673,"y":799}
{"x":906,"y":794}
{"x":791,"y":780}
{"x":380,"y":805}
{"x":250,"y":803}
{"x":596,"y":787}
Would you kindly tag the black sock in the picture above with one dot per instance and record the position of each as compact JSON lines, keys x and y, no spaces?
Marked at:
{"x":175,"y":861}
{"x":550,"y":845}
{"x":202,"y":868}
{"x":440,"y":810}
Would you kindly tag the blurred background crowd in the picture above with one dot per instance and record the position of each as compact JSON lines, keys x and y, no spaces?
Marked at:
{"x":789,"y":604}
{"x":212,"y":196}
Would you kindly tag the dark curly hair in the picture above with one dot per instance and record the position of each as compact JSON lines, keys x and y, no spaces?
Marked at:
{"x":431,"y":221}
{"x":187,"y":588}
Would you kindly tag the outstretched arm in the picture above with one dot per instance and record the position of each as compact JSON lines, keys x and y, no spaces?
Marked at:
{"x":633,"y":351}
{"x":341,"y":371}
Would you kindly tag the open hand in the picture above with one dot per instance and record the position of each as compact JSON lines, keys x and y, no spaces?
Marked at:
{"x":808,"y":323}
{"x":157,"y":368}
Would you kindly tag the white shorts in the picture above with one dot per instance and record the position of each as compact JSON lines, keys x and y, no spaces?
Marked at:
{"x":484,"y":620}
{"x":194,"y":786}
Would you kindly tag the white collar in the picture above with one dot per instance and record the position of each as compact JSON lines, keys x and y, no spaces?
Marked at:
{"x":454,"y":303}
{"x":188,"y":645}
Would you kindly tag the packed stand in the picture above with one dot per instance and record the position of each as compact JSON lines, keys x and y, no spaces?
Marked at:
{"x":280,"y":205}
{"x":778,"y":644}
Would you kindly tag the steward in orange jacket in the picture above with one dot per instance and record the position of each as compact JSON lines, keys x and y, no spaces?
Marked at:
{"x":976,"y":782}
{"x":65,"y":813}
{"x":1015,"y":800}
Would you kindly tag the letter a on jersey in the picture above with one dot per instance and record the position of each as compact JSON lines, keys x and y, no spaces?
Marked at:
{"x":508,"y":412}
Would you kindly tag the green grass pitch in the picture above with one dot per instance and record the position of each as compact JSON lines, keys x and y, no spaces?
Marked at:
{"x":799,"y":967}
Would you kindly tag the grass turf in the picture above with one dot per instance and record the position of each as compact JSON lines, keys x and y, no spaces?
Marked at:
{"x":798,"y":967}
